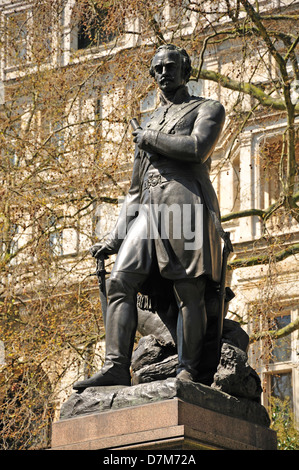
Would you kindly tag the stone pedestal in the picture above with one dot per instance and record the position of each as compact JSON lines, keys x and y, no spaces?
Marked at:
{"x":167,"y":425}
{"x":156,"y":416}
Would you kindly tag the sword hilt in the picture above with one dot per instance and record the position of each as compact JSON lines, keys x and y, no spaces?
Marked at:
{"x":135,"y":124}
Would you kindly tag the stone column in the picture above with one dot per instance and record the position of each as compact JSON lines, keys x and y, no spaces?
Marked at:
{"x":247,"y":187}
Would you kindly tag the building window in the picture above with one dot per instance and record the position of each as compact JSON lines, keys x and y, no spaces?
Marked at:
{"x":282,"y":347}
{"x":92,"y":36}
{"x":29,"y":35}
{"x":14,"y":239}
{"x":55,"y":243}
{"x":179,"y":13}
{"x":273,"y":170}
{"x":41,"y":33}
{"x":52,"y":136}
{"x":281,"y":387}
{"x":270,"y":157}
{"x":279,"y":363}
{"x":9,"y":153}
{"x":9,"y":242}
{"x":16,"y":27}
{"x":12,"y":153}
{"x":57,"y":138}
{"x":90,"y":27}
{"x":55,"y":236}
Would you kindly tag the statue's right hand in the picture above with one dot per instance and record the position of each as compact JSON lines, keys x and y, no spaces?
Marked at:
{"x":99,"y":250}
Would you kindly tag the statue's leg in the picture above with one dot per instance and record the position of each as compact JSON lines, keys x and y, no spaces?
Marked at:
{"x":121,"y":324}
{"x":191,"y":325}
{"x":131,"y":269}
{"x":122,"y":317}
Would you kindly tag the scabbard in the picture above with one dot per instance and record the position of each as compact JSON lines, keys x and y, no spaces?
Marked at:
{"x":222,"y":291}
{"x":101,"y":274}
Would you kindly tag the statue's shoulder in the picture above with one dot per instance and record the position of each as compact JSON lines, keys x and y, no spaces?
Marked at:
{"x":210,"y":106}
{"x":192,"y":102}
{"x":207,"y":101}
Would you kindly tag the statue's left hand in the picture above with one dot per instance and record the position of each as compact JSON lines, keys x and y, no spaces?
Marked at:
{"x":99,"y":249}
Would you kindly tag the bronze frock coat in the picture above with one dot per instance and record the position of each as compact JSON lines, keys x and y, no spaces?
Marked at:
{"x":172,"y":169}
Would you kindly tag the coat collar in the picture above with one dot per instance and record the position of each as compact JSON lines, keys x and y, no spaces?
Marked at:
{"x":181,"y":96}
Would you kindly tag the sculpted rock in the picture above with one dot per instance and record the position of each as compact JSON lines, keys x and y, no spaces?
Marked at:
{"x":157,"y":371}
{"x":153,"y":361}
{"x":158,"y":320}
{"x":235,"y":376}
{"x":235,"y":335}
{"x":156,"y":359}
{"x":149,"y":351}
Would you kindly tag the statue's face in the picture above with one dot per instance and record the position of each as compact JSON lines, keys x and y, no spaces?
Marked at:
{"x":168,"y":70}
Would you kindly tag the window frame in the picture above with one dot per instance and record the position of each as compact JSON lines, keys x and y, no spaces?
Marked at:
{"x":267,"y":369}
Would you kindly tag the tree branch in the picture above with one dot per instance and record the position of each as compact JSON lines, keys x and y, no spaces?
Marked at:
{"x":263,"y":214}
{"x":244,"y":213}
{"x":243,"y":87}
{"x":276,"y":334}
{"x":256,"y":19}
{"x":264,"y":259}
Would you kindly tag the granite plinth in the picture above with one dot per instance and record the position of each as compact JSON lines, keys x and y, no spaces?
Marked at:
{"x":168,"y":414}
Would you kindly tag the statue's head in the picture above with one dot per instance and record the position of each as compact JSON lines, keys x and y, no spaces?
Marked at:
{"x":170,"y":67}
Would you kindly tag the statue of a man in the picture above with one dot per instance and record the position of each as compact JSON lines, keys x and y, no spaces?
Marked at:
{"x":170,"y":175}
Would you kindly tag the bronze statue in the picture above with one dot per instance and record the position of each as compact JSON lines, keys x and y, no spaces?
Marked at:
{"x":170,"y":189}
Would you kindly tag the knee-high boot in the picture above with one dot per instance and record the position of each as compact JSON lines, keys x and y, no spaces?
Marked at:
{"x":191,"y":325}
{"x":121,"y":324}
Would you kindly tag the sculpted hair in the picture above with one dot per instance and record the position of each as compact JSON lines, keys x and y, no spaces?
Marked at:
{"x":184,"y":57}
